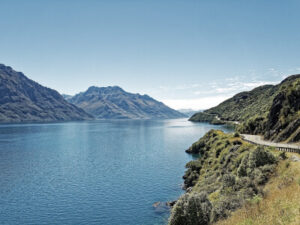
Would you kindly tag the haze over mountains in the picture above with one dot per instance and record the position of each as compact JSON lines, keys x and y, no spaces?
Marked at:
{"x":114,"y":103}
{"x":24,"y":100}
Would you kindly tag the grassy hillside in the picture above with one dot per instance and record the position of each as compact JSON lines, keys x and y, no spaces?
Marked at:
{"x":280,"y":204}
{"x":246,"y":104}
{"x":273,"y":111}
{"x":228,"y":174}
{"x":282,"y":120}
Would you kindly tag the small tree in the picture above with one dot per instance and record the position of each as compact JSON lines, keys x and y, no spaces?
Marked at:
{"x":191,"y":209}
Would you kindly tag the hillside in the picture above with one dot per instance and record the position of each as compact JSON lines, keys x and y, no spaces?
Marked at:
{"x":115,"y":103}
{"x":23,"y":100}
{"x":280,"y":204}
{"x":229,"y":173}
{"x":270,"y":110}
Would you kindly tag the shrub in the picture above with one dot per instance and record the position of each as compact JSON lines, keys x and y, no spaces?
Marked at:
{"x":255,"y":200}
{"x":228,"y":180}
{"x":190,"y":178}
{"x":259,"y":177}
{"x":191,"y":209}
{"x":222,"y":209}
{"x":260,"y":157}
{"x":287,"y":164}
{"x":236,"y":134}
{"x":194,"y":165}
{"x":242,"y":170}
{"x":282,"y":155}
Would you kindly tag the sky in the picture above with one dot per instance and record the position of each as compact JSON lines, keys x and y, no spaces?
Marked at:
{"x":186,"y":53}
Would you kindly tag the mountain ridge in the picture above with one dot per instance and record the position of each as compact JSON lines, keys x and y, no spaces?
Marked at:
{"x":113,"y":102}
{"x":24,"y":100}
{"x":269,"y":110}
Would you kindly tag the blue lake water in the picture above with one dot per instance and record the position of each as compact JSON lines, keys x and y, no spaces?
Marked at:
{"x":101,"y":172}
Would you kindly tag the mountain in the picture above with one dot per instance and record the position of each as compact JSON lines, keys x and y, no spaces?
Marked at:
{"x":115,"y":103}
{"x":269,"y":110}
{"x":23,"y":100}
{"x":67,"y":97}
{"x":188,"y":112}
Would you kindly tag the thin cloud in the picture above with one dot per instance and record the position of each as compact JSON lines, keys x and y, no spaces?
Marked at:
{"x":196,"y":104}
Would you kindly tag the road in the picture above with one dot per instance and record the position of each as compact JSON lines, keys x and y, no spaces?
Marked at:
{"x":256,"y":139}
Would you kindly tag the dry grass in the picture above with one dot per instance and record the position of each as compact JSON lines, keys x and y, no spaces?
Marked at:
{"x":279,"y":206}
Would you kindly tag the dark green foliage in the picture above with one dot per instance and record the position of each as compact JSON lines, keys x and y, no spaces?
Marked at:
{"x":228,"y":180}
{"x":194,"y":165}
{"x":242,"y":169}
{"x":254,"y":125}
{"x":236,"y":134}
{"x":196,"y":148}
{"x":202,"y":117}
{"x":283,"y":155}
{"x":190,"y":178}
{"x":260,"y":157}
{"x":283,"y":121}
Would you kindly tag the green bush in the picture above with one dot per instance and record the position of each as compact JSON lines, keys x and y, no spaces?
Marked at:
{"x":236,"y":134}
{"x":282,"y":155}
{"x":260,"y":157}
{"x":191,"y":209}
{"x":228,"y":180}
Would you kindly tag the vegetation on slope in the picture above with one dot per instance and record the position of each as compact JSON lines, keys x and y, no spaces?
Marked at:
{"x":280,"y":204}
{"x":246,"y":104}
{"x":282,"y":123}
{"x":228,"y":173}
{"x":272,"y":111}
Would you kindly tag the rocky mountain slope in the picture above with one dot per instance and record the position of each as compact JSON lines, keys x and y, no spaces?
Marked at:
{"x":115,"y":103}
{"x":270,"y":110}
{"x":23,"y":100}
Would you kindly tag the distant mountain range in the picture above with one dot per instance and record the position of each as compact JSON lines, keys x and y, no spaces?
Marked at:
{"x":270,"y":110}
{"x":23,"y":100}
{"x":189,"y":112}
{"x":115,"y":103}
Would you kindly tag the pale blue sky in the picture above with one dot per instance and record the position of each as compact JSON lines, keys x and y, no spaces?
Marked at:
{"x":186,"y":53}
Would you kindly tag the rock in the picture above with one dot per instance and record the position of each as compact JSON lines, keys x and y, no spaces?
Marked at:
{"x":156,"y":204}
{"x":294,"y":158}
{"x":171,"y":203}
{"x":189,"y":189}
{"x":161,"y":207}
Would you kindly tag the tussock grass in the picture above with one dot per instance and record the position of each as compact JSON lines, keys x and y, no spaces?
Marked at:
{"x":279,"y":206}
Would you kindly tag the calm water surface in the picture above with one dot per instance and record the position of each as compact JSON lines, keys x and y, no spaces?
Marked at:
{"x":103,"y":172}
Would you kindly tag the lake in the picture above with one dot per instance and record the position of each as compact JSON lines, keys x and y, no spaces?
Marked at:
{"x":100,"y":172}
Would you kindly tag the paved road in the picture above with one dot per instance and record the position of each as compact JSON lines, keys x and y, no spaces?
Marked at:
{"x":258,"y":140}
{"x":227,"y":121}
